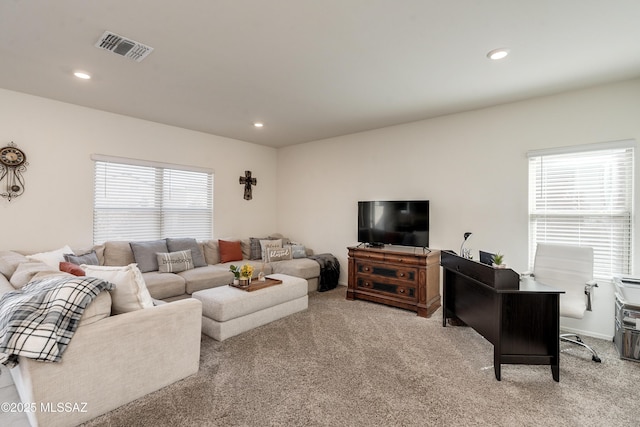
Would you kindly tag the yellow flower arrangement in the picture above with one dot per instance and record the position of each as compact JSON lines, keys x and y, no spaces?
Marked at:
{"x":246,"y":271}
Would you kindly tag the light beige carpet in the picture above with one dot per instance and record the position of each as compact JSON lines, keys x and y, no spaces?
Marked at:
{"x":355,"y":363}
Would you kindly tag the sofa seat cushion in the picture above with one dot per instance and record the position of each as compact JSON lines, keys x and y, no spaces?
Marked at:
{"x":164,"y":285}
{"x":205,"y":277}
{"x":299,"y":267}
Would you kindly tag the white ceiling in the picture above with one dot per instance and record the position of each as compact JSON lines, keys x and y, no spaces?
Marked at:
{"x":313,"y":69}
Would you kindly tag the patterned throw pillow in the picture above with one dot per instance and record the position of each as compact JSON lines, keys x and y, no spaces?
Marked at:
{"x":175,"y":262}
{"x":277,"y":254}
{"x":264,"y":244}
{"x":255,"y":247}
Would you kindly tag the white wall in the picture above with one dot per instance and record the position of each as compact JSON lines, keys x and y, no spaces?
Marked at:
{"x":471,"y":166}
{"x":56,"y":207}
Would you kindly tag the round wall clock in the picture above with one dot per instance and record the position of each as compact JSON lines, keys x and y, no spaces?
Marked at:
{"x":13,"y":162}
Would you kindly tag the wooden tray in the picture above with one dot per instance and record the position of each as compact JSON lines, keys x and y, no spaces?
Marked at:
{"x":255,"y":284}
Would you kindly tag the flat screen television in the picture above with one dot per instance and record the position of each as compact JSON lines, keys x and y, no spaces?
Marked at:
{"x":404,"y":223}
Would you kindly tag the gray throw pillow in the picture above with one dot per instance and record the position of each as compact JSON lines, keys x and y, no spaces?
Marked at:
{"x":175,"y":262}
{"x":90,"y":258}
{"x":186,"y":243}
{"x":298,"y":251}
{"x":145,"y":254}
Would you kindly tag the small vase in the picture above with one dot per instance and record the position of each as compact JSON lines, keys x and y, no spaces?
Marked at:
{"x":245,"y":281}
{"x":236,"y":281}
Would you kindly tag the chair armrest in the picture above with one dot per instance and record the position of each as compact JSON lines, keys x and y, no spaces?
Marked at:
{"x":587,"y":291}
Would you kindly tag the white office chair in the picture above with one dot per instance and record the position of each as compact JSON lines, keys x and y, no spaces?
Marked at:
{"x":569,"y":268}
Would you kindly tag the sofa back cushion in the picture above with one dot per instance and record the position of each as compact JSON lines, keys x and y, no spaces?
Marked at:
{"x":186,"y":243}
{"x":9,"y":261}
{"x":211,"y":252}
{"x":27,"y":271}
{"x":118,"y":253}
{"x":145,"y":253}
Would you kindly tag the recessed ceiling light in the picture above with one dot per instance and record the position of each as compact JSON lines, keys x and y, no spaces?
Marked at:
{"x":496,"y":54}
{"x":82,"y":75}
{"x":258,"y":124}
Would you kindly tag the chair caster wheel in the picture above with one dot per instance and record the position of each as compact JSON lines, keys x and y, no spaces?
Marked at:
{"x":596,"y":359}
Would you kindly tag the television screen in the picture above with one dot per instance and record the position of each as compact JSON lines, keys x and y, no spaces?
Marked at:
{"x":404,"y":223}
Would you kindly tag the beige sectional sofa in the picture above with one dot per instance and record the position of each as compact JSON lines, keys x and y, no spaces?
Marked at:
{"x":114,"y":359}
{"x":173,"y":286}
{"x":111,"y":359}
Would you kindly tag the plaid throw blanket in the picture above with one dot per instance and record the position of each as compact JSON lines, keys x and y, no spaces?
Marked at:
{"x":39,"y":320}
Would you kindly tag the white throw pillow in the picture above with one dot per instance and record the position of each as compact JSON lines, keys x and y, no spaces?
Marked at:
{"x":52,"y":258}
{"x":273,"y":243}
{"x":130,"y":293}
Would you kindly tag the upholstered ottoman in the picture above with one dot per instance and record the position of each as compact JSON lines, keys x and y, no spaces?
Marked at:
{"x":228,"y":311}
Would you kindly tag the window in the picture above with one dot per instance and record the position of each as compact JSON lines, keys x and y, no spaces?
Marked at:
{"x":138,"y":200}
{"x":584,"y":196}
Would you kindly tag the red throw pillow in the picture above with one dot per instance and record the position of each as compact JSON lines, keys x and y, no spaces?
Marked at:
{"x":69,"y":267}
{"x":230,"y":251}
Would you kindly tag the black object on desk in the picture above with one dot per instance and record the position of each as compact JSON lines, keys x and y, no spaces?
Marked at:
{"x":520,"y":318}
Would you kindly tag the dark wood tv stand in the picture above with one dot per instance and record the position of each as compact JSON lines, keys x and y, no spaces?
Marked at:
{"x":399,"y":276}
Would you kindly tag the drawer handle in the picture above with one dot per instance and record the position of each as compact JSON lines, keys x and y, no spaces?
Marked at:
{"x":401,"y":290}
{"x":401,"y":274}
{"x":366,"y":269}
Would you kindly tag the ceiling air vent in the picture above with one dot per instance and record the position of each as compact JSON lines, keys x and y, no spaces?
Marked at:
{"x":124,"y":47}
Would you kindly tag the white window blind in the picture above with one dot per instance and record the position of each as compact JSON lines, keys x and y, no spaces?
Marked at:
{"x":584,"y":196}
{"x":146,"y":201}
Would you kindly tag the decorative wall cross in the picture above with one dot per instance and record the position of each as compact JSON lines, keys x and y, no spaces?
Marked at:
{"x":248,"y":182}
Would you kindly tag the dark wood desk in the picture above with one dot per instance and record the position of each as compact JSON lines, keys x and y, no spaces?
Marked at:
{"x":521,"y":318}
